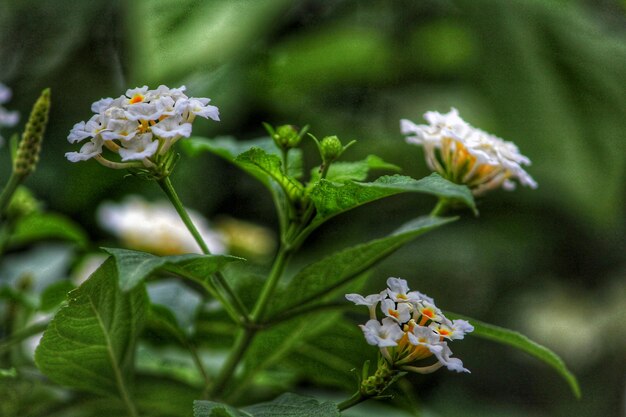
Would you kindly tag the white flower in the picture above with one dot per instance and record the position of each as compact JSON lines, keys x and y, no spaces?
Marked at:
{"x":453,"y":364}
{"x":400,"y":312}
{"x":385,"y":335}
{"x":87,"y":151}
{"x":371,"y":300}
{"x":413,"y":328}
{"x":467,"y":155}
{"x":140,"y":125}
{"x":172,"y":128}
{"x":425,"y":337}
{"x":155,"y":227}
{"x":199,"y":107}
{"x":7,"y":118}
{"x":452,"y":330}
{"x":141,"y":147}
{"x":399,"y":291}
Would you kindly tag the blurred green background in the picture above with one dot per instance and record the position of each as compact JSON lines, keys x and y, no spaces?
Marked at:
{"x":548,"y":75}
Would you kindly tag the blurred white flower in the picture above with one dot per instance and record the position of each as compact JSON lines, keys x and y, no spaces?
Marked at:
{"x":156,"y":227}
{"x":466,"y":155}
{"x":140,"y":125}
{"x":7,"y":118}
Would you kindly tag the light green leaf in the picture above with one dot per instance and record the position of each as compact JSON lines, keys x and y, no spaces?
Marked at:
{"x":41,"y":226}
{"x":89,"y":345}
{"x":320,"y":278}
{"x":357,"y":170}
{"x":521,"y":342}
{"x":134,"y":266}
{"x":271,"y":165}
{"x":287,"y":405}
{"x":331,"y":198}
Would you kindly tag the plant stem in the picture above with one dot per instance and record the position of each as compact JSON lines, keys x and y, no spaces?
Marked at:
{"x":352,"y":401}
{"x":246,"y":335}
{"x":8,"y":191}
{"x":440,"y":208}
{"x":168,"y":189}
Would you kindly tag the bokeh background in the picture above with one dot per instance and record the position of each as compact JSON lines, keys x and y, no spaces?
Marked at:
{"x":548,"y":75}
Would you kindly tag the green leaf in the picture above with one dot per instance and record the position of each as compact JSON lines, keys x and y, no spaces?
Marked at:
{"x":357,"y":170}
{"x":320,"y":278}
{"x":271,"y":165}
{"x":134,"y":266}
{"x":330,"y":358}
{"x":521,"y":342}
{"x":55,"y":294}
{"x":229,"y":148}
{"x":40,"y":226}
{"x":287,"y":405}
{"x":331,"y":199}
{"x":89,"y":345}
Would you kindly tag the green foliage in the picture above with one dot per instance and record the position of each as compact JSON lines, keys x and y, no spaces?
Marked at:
{"x":357,"y":170}
{"x":521,"y":342}
{"x":287,"y":405}
{"x":39,"y":226}
{"x":331,"y":198}
{"x":271,"y":166}
{"x":54,"y":295}
{"x":319,"y":279}
{"x":90,"y":343}
{"x":134,"y":266}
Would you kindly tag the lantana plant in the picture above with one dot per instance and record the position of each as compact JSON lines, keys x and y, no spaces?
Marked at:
{"x":99,"y":335}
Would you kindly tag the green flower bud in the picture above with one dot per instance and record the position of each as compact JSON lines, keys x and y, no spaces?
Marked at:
{"x":331,"y":148}
{"x":22,"y":204}
{"x":286,"y":137}
{"x":28,"y":150}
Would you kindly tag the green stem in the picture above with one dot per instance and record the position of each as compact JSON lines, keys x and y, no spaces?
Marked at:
{"x":357,"y":398}
{"x":270,"y":285}
{"x":8,"y":191}
{"x":440,"y":208}
{"x":246,"y":335}
{"x":168,"y":189}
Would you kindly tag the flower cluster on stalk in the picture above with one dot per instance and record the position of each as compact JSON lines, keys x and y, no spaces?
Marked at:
{"x":467,"y":155}
{"x":7,"y":118}
{"x":412,"y":329}
{"x":141,"y":125}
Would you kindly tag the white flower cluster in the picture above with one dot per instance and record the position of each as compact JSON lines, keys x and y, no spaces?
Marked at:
{"x":467,"y":155}
{"x":412,"y":329}
{"x":7,"y":118}
{"x":140,"y":124}
{"x":156,"y":227}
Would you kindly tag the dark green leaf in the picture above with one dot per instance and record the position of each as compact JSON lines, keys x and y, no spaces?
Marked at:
{"x":521,"y":342}
{"x":40,"y":226}
{"x":55,"y":294}
{"x":319,"y":279}
{"x":330,"y":358}
{"x":89,"y":344}
{"x":357,"y":170}
{"x":287,"y":405}
{"x":134,"y":266}
{"x":331,"y":198}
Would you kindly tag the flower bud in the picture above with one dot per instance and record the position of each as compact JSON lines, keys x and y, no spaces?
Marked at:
{"x":331,"y":148}
{"x":28,"y":150}
{"x":286,"y":137}
{"x":22,"y":204}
